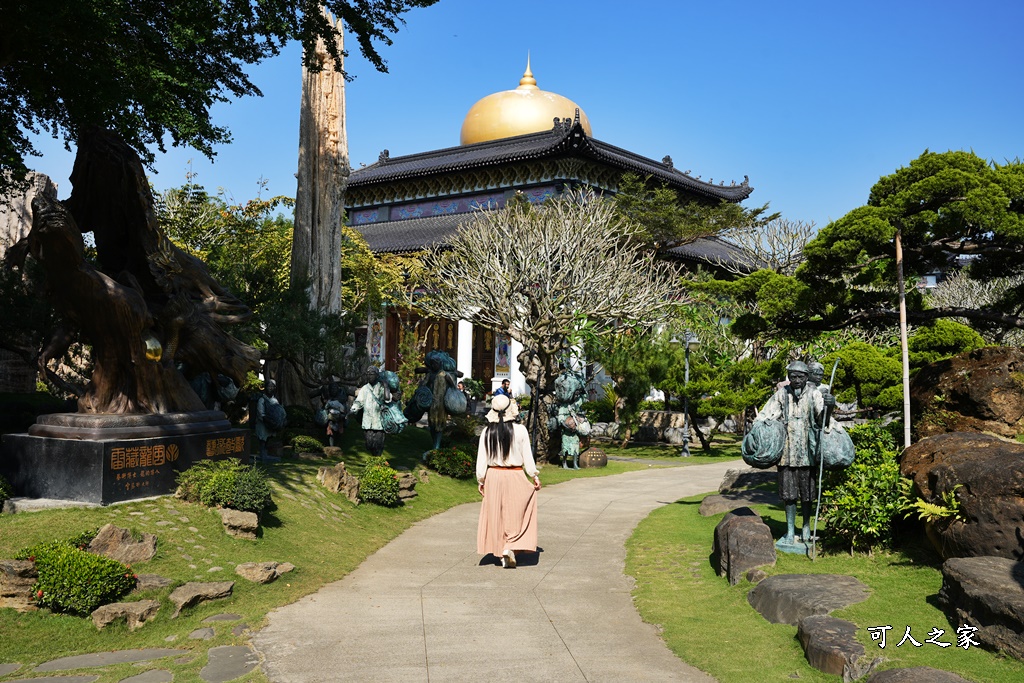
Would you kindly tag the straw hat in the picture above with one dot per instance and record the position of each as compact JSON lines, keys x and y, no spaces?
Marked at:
{"x":503,"y":409}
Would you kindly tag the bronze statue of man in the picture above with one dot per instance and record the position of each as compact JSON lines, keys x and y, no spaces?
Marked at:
{"x":800,"y":408}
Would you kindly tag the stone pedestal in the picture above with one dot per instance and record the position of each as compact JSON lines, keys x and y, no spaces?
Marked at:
{"x":111,"y":458}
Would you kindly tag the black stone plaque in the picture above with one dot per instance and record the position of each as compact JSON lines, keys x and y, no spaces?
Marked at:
{"x":111,"y":470}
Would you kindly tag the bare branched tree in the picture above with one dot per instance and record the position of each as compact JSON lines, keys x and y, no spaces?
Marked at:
{"x":777,"y":245}
{"x":959,"y":290}
{"x":542,"y":275}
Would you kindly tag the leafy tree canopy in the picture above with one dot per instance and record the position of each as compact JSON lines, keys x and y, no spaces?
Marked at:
{"x":953,"y":210}
{"x":665,"y":221}
{"x":149,"y":69}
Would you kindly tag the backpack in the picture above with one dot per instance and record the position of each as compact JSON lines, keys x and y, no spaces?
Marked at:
{"x":274,"y":415}
{"x":763,"y":444}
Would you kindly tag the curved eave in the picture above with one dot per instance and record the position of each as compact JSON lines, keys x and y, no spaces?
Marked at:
{"x":571,"y":141}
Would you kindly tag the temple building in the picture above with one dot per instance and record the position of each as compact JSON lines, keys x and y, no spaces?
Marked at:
{"x":527,"y":141}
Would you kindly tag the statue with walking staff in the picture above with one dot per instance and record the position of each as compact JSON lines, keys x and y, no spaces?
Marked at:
{"x":437,"y":394}
{"x":379,"y":403}
{"x":569,"y":419}
{"x":796,"y":433}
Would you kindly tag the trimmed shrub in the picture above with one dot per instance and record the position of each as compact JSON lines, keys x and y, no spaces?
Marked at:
{"x":861,"y":503}
{"x":6,"y":490}
{"x":303,"y":443}
{"x":74,"y":581}
{"x":599,"y":411}
{"x":452,"y":462}
{"x":226,"y":483}
{"x":80,"y":541}
{"x":379,"y":483}
{"x":299,"y":416}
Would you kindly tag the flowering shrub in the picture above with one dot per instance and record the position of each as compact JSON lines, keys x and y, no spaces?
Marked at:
{"x":74,"y":581}
{"x":379,"y":483}
{"x":452,"y":462}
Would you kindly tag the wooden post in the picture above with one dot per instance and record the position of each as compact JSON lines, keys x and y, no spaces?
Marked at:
{"x":903,"y":339}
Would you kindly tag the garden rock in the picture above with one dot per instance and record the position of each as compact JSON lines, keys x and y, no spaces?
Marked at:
{"x":263,"y":572}
{"x":117,"y":544}
{"x":830,"y":645}
{"x":718,"y":503}
{"x":788,"y":598}
{"x":742,"y":542}
{"x":990,"y":474}
{"x":337,"y":480}
{"x":134,"y":613}
{"x":917,"y":674}
{"x":145,"y":582}
{"x":205,"y":633}
{"x":407,"y":486}
{"x":756,"y":576}
{"x":674,"y":436}
{"x":239,"y":523}
{"x":16,"y":580}
{"x":423,"y":475}
{"x":193,"y":593}
{"x":987,"y":593}
{"x":746,"y":479}
{"x":332,"y":452}
{"x":976,"y":391}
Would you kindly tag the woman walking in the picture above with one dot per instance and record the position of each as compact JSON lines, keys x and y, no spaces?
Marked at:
{"x":508,"y":515}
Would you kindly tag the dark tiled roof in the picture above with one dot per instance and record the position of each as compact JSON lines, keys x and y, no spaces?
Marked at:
{"x":712,"y":250}
{"x":422,"y":233}
{"x":413,"y":234}
{"x":560,"y":141}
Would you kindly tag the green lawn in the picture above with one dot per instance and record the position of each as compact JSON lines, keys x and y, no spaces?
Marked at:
{"x":709,"y":624}
{"x":322,"y":534}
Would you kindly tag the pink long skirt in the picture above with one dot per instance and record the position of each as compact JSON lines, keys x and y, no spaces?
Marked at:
{"x":508,"y":515}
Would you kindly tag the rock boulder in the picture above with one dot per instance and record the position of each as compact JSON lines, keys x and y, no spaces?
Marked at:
{"x":788,"y":598}
{"x":987,"y":593}
{"x":16,"y":580}
{"x":117,"y":544}
{"x":239,"y":523}
{"x":193,"y":593}
{"x":917,"y":674}
{"x":830,"y":645}
{"x":407,"y":486}
{"x":742,"y":542}
{"x":263,"y":572}
{"x":976,"y":391}
{"x":989,"y":472}
{"x":337,"y":480}
{"x":135,"y":613}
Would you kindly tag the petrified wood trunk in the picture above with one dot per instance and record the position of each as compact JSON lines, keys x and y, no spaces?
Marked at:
{"x":322,"y":178}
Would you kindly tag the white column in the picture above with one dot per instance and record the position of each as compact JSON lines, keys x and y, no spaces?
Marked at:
{"x":464,"y":361}
{"x":516,"y":377}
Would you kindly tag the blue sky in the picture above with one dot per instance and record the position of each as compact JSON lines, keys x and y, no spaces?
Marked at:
{"x":814,"y":101}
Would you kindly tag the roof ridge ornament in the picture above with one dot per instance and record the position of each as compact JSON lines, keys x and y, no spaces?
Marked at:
{"x":667,"y":160}
{"x":384,"y":157}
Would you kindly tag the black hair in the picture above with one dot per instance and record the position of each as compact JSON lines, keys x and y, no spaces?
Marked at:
{"x":498,"y":437}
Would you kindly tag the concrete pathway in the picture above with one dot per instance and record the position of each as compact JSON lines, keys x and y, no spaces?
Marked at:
{"x":427,"y":608}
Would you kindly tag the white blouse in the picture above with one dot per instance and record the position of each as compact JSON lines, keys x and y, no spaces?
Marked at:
{"x":519,"y":455}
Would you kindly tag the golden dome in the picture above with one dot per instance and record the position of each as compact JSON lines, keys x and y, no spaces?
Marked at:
{"x":527,"y":109}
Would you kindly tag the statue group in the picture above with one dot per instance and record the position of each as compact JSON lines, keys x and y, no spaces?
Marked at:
{"x":796,"y":433}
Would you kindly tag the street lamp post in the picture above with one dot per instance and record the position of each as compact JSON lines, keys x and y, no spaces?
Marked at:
{"x":692,"y":344}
